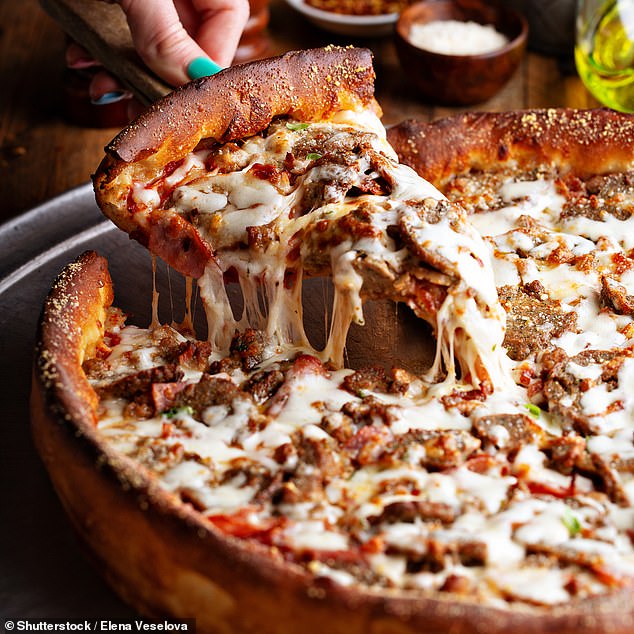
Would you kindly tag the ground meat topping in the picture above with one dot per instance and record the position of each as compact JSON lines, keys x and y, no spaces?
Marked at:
{"x":615,"y":297}
{"x":433,"y":449}
{"x":508,"y":432}
{"x":600,"y":196}
{"x":263,"y":385}
{"x":533,"y":319}
{"x":134,"y":385}
{"x":411,"y":511}
{"x":566,"y":384}
{"x":209,"y":391}
{"x":245,"y":352}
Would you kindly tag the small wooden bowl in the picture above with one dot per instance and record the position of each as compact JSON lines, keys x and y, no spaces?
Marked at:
{"x":461,"y":79}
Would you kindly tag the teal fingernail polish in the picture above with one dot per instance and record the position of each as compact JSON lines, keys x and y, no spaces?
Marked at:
{"x":202,"y":67}
{"x":111,"y":97}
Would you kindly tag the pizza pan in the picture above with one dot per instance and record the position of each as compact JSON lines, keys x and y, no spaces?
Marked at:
{"x":43,"y":572}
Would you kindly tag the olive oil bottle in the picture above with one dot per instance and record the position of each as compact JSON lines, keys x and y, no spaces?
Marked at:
{"x":604,"y":51}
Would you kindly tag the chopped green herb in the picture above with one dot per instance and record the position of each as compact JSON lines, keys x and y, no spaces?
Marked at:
{"x":174,"y":412}
{"x":296,"y":126}
{"x":313,"y":156}
{"x":533,"y":410}
{"x":571,"y":522}
{"x":495,"y":345}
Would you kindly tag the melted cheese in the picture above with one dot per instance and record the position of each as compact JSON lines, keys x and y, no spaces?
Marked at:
{"x":496,"y":516}
{"x":536,"y":199}
{"x":535,"y":585}
{"x":481,"y":500}
{"x":229,"y":204}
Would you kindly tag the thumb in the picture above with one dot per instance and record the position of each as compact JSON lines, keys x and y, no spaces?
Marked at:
{"x":162,"y":41}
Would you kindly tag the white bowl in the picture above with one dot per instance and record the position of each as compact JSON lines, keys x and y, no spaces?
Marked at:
{"x":343,"y":24}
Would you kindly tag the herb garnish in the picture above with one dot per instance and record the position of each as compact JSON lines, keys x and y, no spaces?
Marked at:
{"x":174,"y":412}
{"x":571,"y":522}
{"x":533,"y":410}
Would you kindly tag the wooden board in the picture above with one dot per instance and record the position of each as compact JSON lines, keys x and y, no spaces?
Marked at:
{"x":101,"y":28}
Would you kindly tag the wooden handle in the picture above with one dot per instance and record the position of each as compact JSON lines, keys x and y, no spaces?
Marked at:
{"x":101,"y":28}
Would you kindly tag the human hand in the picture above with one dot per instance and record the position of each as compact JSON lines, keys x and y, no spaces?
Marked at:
{"x":177,"y":39}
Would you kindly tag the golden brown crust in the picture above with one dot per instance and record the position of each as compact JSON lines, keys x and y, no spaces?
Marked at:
{"x":71,"y":324}
{"x":236,"y":103}
{"x":242,"y":100}
{"x":167,"y":560}
{"x":583,"y":141}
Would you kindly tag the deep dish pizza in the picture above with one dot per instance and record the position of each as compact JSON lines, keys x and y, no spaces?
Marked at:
{"x":255,"y":482}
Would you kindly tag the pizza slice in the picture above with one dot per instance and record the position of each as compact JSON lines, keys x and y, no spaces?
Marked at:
{"x":267,"y":186}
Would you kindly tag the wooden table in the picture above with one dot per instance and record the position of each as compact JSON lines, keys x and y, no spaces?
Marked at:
{"x":42,"y":570}
{"x":42,"y":155}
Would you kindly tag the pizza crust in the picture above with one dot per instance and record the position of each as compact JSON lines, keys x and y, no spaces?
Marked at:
{"x":587,"y":142}
{"x":309,"y":85}
{"x":71,"y":325}
{"x":163,"y":558}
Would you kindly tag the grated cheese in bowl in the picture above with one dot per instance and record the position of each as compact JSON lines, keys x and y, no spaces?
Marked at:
{"x":453,"y":37}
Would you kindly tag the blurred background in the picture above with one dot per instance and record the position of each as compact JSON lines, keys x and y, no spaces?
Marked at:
{"x":43,"y":151}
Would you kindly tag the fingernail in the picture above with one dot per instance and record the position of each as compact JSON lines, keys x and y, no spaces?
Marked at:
{"x":202,"y":67}
{"x":82,"y":63}
{"x":111,"y":97}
